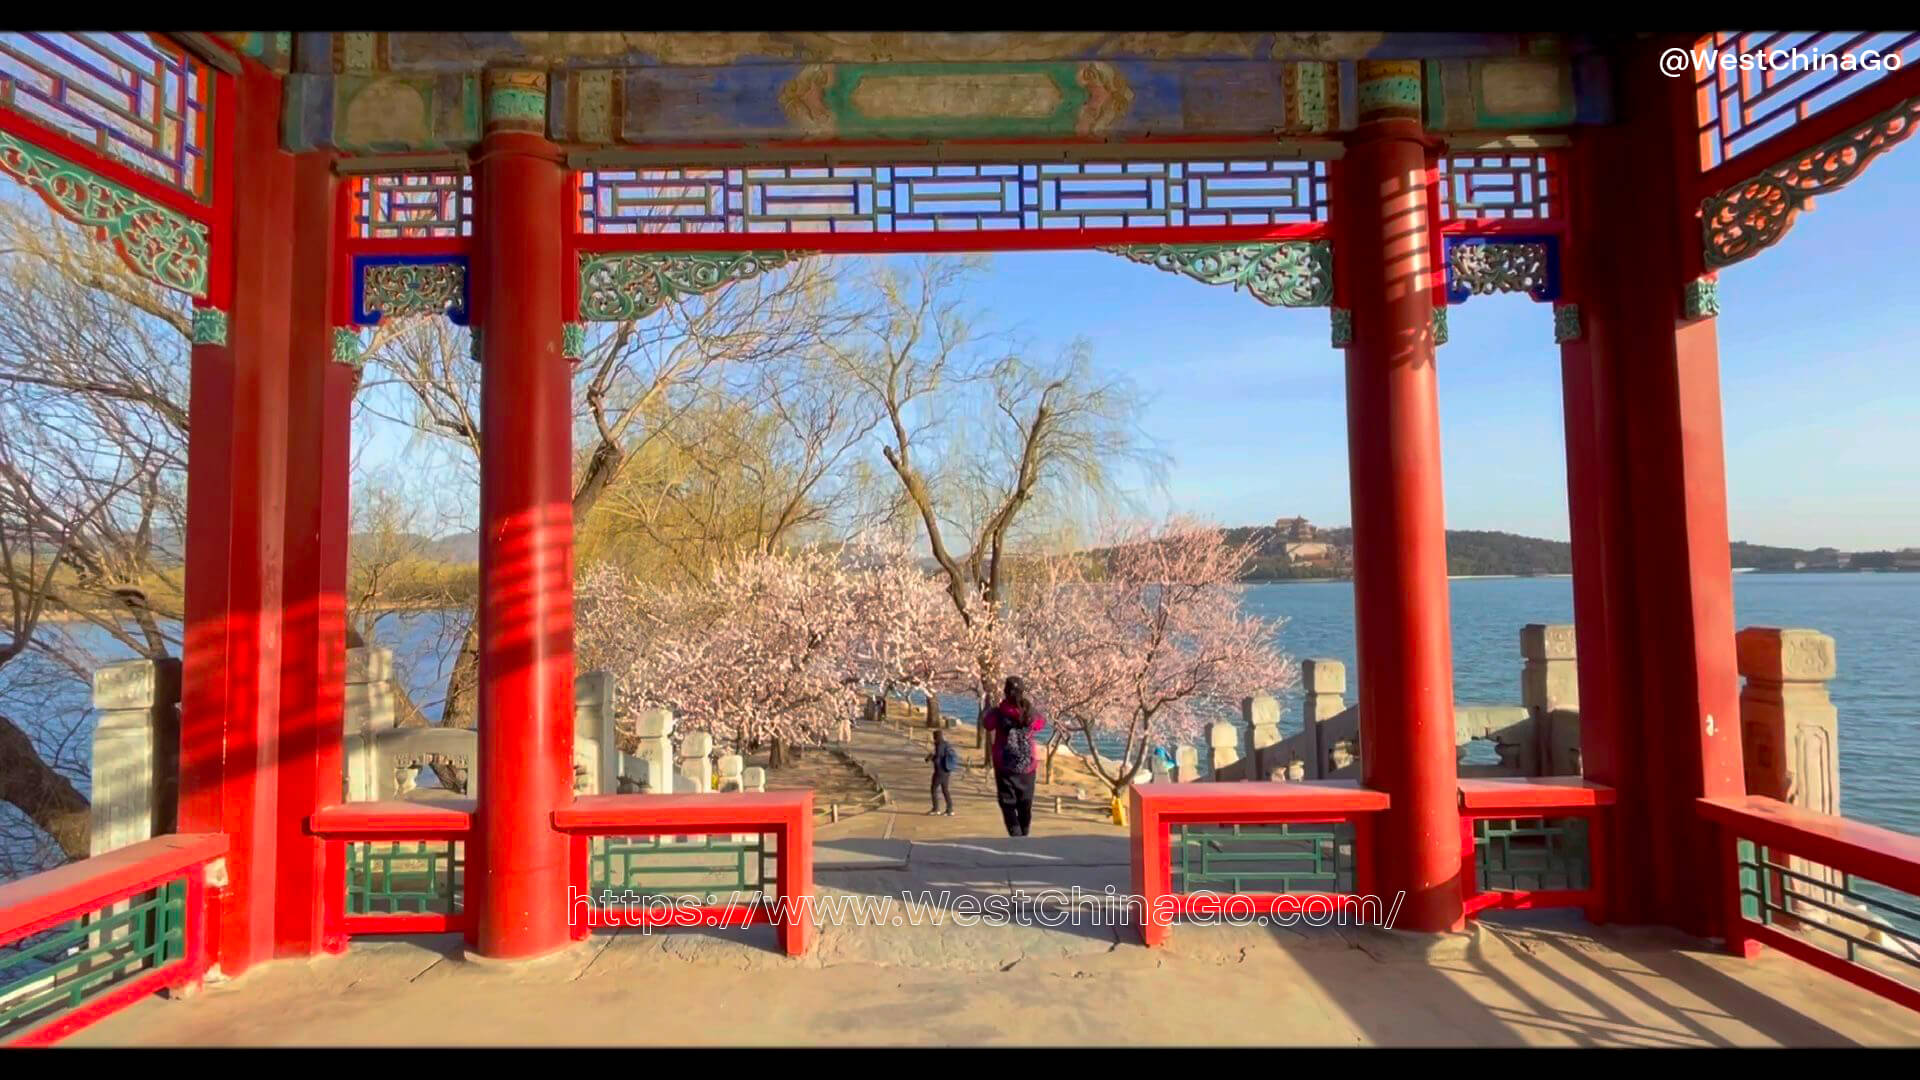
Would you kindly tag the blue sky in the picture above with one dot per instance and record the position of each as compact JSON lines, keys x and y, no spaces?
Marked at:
{"x":1818,"y":350}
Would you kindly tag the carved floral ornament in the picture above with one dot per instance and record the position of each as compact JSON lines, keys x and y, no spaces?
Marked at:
{"x":1291,"y":274}
{"x":159,"y":244}
{"x":617,"y":286}
{"x":1752,"y":216}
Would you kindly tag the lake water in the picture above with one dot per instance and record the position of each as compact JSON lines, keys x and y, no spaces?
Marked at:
{"x":1873,"y":618}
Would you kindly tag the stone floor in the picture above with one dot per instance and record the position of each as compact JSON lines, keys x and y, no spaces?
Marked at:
{"x":919,"y":974}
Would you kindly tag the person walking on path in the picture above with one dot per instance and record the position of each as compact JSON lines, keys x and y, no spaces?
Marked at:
{"x":1014,"y":723}
{"x":945,"y":760}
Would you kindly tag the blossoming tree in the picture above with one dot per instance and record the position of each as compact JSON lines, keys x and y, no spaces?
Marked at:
{"x":1145,"y":642}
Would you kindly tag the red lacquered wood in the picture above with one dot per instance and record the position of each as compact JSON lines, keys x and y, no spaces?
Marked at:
{"x":96,"y":1009}
{"x":449,"y":820}
{"x":972,"y":240}
{"x":1880,"y":855}
{"x":404,"y":922}
{"x":1839,"y":966}
{"x":1530,"y":796}
{"x":645,"y":815}
{"x":1835,"y":120}
{"x":1154,"y":808}
{"x":54,"y":896}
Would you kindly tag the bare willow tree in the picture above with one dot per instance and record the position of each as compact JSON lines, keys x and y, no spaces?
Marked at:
{"x":989,"y":448}
{"x":639,"y":382}
{"x":93,"y":427}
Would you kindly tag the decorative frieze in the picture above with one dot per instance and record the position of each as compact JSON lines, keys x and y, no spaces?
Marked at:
{"x":515,"y":101}
{"x":1290,"y":274}
{"x":1701,"y":299}
{"x":209,"y":326}
{"x":346,"y":347}
{"x":616,"y":286}
{"x":1439,"y":325}
{"x":1342,"y":321}
{"x":573,"y":341}
{"x":409,"y":285}
{"x":1482,"y":266}
{"x":1566,"y":323}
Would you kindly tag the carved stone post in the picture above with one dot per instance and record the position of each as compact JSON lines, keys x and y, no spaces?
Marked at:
{"x":731,"y":768}
{"x":595,"y":754}
{"x":1224,"y":740}
{"x":753,"y":778}
{"x":1325,"y":684}
{"x":696,"y":763}
{"x":1262,"y":714}
{"x":136,"y":752}
{"x":1550,"y":689}
{"x":1186,"y":760}
{"x":1789,"y":728}
{"x":655,"y":731}
{"x":366,"y":712}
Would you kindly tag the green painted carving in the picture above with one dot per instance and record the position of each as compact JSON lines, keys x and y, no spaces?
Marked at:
{"x":1702,"y":299}
{"x":920,"y":100}
{"x":1342,"y":327}
{"x":1439,"y":325}
{"x":414,"y":288}
{"x":346,"y":347}
{"x":573,"y":341}
{"x":1291,"y":274}
{"x":209,"y":326}
{"x":1566,"y":323}
{"x":157,"y":243}
{"x":616,"y":286}
{"x":1753,"y":215}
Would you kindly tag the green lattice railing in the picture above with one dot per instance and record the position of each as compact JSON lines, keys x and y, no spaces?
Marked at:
{"x":714,"y":866}
{"x":60,"y":969}
{"x":1530,"y":854}
{"x":405,"y":878}
{"x":1262,"y":858}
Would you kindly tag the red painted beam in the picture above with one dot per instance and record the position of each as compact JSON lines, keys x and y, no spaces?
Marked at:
{"x":393,"y":820}
{"x":1880,"y":855}
{"x":611,"y":815}
{"x":1531,"y":796}
{"x":50,"y":897}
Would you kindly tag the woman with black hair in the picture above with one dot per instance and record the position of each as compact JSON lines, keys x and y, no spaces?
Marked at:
{"x":1013,"y":723}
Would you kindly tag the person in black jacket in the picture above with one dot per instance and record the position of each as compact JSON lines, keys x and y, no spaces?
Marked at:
{"x":945,"y":759}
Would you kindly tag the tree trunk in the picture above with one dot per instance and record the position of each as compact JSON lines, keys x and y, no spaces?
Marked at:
{"x":463,"y":685}
{"x":48,"y":799}
{"x":777,"y":756}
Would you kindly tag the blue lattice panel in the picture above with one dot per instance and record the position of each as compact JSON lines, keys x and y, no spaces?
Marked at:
{"x":390,"y":206}
{"x":1499,"y":187}
{"x":131,"y":96}
{"x":915,"y":197}
{"x":1741,"y":106}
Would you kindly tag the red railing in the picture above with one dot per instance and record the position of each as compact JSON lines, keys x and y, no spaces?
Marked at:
{"x":449,"y":822}
{"x":786,"y":815}
{"x":109,"y":963}
{"x":1157,"y":808}
{"x":1545,"y":798}
{"x":1801,"y":910}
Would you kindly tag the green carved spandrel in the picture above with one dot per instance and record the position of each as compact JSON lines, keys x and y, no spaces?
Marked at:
{"x":617,"y":286}
{"x":1292,"y":273}
{"x":159,"y":244}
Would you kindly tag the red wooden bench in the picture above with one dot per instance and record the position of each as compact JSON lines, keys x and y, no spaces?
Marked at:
{"x":49,"y":899}
{"x":788,"y":815}
{"x":1156,"y":808}
{"x":1537,"y":797}
{"x":1883,"y":856}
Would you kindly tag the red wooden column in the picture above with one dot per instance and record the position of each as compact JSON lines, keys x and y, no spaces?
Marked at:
{"x":1647,"y":486}
{"x":1384,"y":256}
{"x":313,"y":613}
{"x":236,"y":492}
{"x":526,"y":530}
